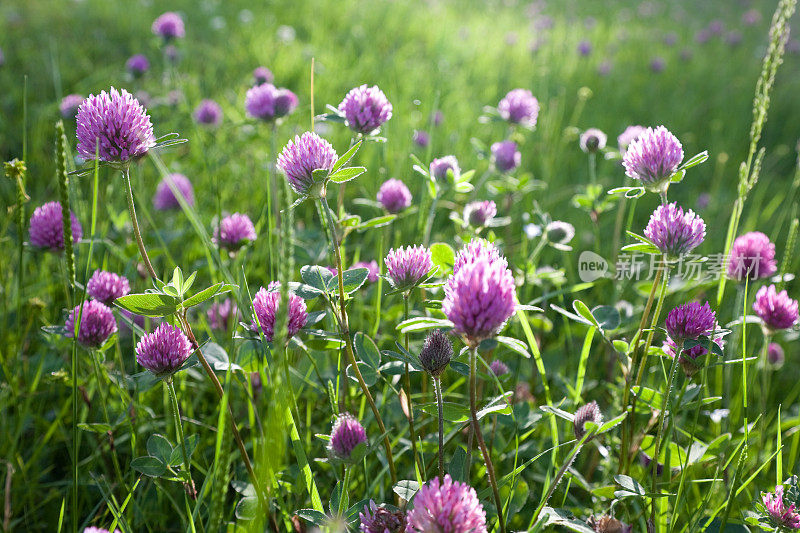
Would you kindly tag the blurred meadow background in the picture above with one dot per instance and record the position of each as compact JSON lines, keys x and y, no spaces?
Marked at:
{"x":691,"y":66}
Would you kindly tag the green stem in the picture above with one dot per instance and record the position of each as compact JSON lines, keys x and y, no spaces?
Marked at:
{"x":628,"y":426}
{"x":345,"y":332}
{"x":660,"y":431}
{"x":104,"y":403}
{"x":476,"y":429}
{"x":179,"y":429}
{"x":412,"y":432}
{"x":560,"y":474}
{"x":135,"y":223}
{"x":437,"y":388}
{"x":344,"y":499}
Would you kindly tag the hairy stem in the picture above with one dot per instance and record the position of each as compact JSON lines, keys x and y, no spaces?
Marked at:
{"x":437,"y":388}
{"x":176,"y":415}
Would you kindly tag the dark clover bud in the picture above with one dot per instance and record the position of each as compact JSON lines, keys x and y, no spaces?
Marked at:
{"x":775,"y":355}
{"x":593,"y":140}
{"x":379,"y":519}
{"x":645,"y":460}
{"x":479,"y":214}
{"x":608,"y":524}
{"x":436,"y":353}
{"x":137,"y":65}
{"x":558,"y":232}
{"x":586,"y":413}
{"x":347,"y":433}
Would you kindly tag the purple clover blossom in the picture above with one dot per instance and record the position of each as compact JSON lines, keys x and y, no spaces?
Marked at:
{"x":266,"y":304}
{"x":106,"y":286}
{"x":498,"y":368}
{"x":394,"y":196}
{"x":437,"y":117}
{"x":379,"y":519}
{"x":446,"y":505}
{"x":69,"y":106}
{"x":584,"y":48}
{"x":702,"y":36}
{"x":752,"y":257}
{"x":169,"y":26}
{"x":592,"y":140}
{"x":479,"y":214}
{"x":117,"y":124}
{"x":604,"y":68}
{"x":46,"y":229}
{"x":653,"y":157}
{"x":657,"y":64}
{"x":519,"y":106}
{"x":372,"y":267}
{"x":234,"y":231}
{"x":751,"y":17}
{"x":301,"y":157}
{"x":505,"y":156}
{"x":630,"y":134}
{"x":589,"y":412}
{"x":263,"y":75}
{"x":733,"y":38}
{"x":165,"y":198}
{"x":674,"y":232}
{"x":690,"y":321}
{"x":208,"y":113}
{"x":220,"y":314}
{"x":137,"y":65}
{"x":776,"y":309}
{"x":365,"y":109}
{"x":346,"y":434}
{"x":266,"y":102}
{"x":163,"y":351}
{"x":97,"y":323}
{"x":407,"y":266}
{"x":780,"y":514}
{"x":421,"y":138}
{"x":479,"y":299}
{"x":478,"y":249}
{"x":440,"y":166}
{"x":715,"y":27}
{"x":689,"y":356}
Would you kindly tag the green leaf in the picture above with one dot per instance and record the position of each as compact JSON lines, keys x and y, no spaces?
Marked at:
{"x":366,"y":350}
{"x":310,"y":515}
{"x":695,"y":160}
{"x":159,"y":447}
{"x":443,"y":256}
{"x":176,"y":459}
{"x":611,"y":424}
{"x":369,"y":374}
{"x":641,"y":247}
{"x":514,"y":345}
{"x":376,"y":222}
{"x":149,"y":466}
{"x":346,"y":157}
{"x":630,"y":485}
{"x":583,"y":310}
{"x":217,"y":357}
{"x":571,"y":316}
{"x":148,"y":304}
{"x":458,"y":465}
{"x":352,"y":279}
{"x":205,"y":294}
{"x":607,"y":317}
{"x":452,"y":412}
{"x":422,"y":324}
{"x":406,"y":489}
{"x":677,"y":177}
{"x":304,"y":291}
{"x":347,"y":174}
{"x":247,"y":508}
{"x":317,"y":277}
